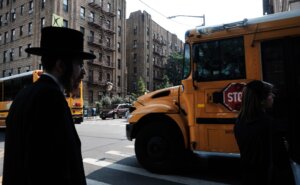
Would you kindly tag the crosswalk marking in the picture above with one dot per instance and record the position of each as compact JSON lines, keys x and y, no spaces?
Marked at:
{"x":94,"y":182}
{"x":88,"y":181}
{"x":143,"y":172}
{"x":129,"y":146}
{"x":113,"y":152}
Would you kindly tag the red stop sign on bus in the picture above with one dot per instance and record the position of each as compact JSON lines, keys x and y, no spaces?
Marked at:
{"x":232,"y":96}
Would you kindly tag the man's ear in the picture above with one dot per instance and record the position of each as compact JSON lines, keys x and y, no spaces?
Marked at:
{"x":60,"y":66}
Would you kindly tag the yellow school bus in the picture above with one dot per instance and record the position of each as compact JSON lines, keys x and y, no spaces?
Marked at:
{"x":199,"y":114}
{"x":11,"y":85}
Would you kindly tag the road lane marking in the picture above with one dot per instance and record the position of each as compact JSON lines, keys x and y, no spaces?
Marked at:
{"x":129,"y":146}
{"x":94,"y":182}
{"x":88,"y":181}
{"x":113,"y":152}
{"x":1,"y":154}
{"x":143,"y":172}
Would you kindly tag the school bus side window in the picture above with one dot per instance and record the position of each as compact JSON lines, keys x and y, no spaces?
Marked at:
{"x":220,"y":60}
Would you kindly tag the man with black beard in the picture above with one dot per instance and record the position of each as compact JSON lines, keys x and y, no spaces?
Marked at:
{"x":41,"y":144}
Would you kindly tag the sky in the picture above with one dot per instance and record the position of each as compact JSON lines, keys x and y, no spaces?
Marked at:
{"x":215,"y":12}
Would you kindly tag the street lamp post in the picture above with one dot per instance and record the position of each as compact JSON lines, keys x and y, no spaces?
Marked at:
{"x":194,"y":16}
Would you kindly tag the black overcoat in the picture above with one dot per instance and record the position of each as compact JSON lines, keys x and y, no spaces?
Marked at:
{"x":264,"y":158}
{"x":41,"y":144}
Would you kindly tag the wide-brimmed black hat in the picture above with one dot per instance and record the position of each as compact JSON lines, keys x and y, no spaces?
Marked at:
{"x":61,"y":41}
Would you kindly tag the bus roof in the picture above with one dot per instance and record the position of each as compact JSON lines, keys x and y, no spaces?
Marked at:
{"x":16,"y":76}
{"x":245,"y":22}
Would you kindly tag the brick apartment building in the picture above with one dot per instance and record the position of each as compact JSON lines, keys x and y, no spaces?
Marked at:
{"x":101,"y":21}
{"x":274,"y":6}
{"x":148,"y":46}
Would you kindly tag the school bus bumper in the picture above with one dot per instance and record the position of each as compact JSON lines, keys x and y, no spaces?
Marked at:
{"x":129,"y":131}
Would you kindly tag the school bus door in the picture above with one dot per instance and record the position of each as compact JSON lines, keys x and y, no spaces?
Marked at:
{"x":281,"y":67}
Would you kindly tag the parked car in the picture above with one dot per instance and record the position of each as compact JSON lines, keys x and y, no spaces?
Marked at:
{"x":117,"y":111}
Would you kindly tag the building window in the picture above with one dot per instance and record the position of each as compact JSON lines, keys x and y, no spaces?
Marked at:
{"x":65,"y":23}
{"x":134,"y":70}
{"x":42,"y":22}
{"x":91,"y":76}
{"x":119,"y":30}
{"x":4,"y":57}
{"x":119,"y":81}
{"x":65,"y":5}
{"x":108,"y":77}
{"x":108,"y":42}
{"x":82,"y":30}
{"x":92,"y":17}
{"x":27,"y":68}
{"x":28,"y":46}
{"x":0,"y":39}
{"x":108,"y":7}
{"x":30,"y":7}
{"x":100,"y":39}
{"x":148,"y":31}
{"x":0,"y":20}
{"x":22,"y":9}
{"x":147,"y":59}
{"x":100,"y":76}
{"x":82,"y":12}
{"x":119,"y":47}
{"x":11,"y":72}
{"x":100,"y":57}
{"x":19,"y":70}
{"x":20,"y":51}
{"x":43,"y":4}
{"x":148,"y":72}
{"x":13,"y":14}
{"x":5,"y":37}
{"x":108,"y":24}
{"x":6,"y":17}
{"x":12,"y":35}
{"x":135,"y":44}
{"x":108,"y":60}
{"x":119,"y":14}
{"x":11,"y":54}
{"x":135,"y":30}
{"x":30,"y":28}
{"x":21,"y":30}
{"x":119,"y":63}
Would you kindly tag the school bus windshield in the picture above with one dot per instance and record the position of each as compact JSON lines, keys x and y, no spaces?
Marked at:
{"x":220,"y":59}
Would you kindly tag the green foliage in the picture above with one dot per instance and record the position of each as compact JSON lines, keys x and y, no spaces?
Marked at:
{"x":165,"y":83}
{"x":174,"y":68}
{"x":141,"y":87}
{"x":116,"y":100}
{"x":105,"y":102}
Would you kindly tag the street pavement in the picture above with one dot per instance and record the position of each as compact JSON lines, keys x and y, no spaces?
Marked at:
{"x":109,"y":159}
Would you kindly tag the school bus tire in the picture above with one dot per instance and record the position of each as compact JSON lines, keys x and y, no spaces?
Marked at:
{"x":159,"y":148}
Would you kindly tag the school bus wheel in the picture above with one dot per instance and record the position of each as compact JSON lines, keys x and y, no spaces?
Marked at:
{"x":159,"y":147}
